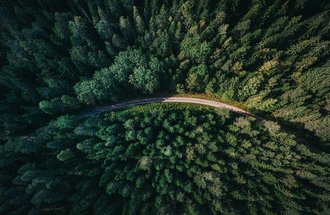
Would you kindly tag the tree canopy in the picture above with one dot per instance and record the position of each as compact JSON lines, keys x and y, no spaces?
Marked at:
{"x":60,"y":58}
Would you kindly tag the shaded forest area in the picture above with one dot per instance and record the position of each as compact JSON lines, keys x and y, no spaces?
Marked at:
{"x":165,"y":159}
{"x":57,"y":57}
{"x":60,"y":57}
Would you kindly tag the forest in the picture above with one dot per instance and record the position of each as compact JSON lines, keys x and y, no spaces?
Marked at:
{"x":60,"y":58}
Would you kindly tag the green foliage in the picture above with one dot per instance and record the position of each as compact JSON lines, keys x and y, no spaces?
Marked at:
{"x":51,"y":107}
{"x":61,"y":57}
{"x":109,"y":83}
{"x":197,"y":78}
{"x":106,"y":50}
{"x":158,"y":157}
{"x":194,"y":48}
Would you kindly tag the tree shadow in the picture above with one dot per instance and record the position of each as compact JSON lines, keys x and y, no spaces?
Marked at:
{"x":298,"y":130}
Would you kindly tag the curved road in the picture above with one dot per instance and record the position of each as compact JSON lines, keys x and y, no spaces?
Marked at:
{"x":122,"y":105}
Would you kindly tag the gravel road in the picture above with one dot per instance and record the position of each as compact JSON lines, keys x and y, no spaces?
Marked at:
{"x":123,"y":105}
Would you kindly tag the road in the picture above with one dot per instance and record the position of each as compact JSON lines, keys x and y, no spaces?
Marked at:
{"x":123,"y":105}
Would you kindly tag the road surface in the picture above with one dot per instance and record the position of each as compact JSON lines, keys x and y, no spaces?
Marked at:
{"x":123,"y":105}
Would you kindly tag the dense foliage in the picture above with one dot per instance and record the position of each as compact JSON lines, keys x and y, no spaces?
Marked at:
{"x":165,"y":160}
{"x":270,"y":55}
{"x":61,"y":57}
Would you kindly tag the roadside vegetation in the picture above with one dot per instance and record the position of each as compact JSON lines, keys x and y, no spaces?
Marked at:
{"x":58,"y":58}
{"x":165,"y":159}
